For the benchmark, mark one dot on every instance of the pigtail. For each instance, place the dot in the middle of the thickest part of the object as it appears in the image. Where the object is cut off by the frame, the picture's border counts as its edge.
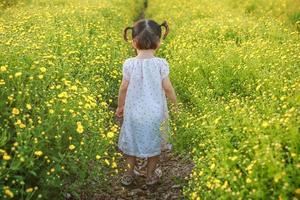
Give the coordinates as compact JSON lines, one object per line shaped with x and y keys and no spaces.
{"x":165,"y":24}
{"x":125,"y":33}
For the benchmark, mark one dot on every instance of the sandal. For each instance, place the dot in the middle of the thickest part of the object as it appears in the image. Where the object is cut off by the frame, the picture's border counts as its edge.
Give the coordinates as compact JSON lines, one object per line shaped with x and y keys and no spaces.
{"x":155,"y":178}
{"x":140,"y":170}
{"x":127,"y":179}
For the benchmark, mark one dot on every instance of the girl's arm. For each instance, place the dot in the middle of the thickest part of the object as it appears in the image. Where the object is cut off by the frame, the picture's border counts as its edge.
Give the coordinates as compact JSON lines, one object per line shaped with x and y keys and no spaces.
{"x":121,"y":98}
{"x":169,"y":90}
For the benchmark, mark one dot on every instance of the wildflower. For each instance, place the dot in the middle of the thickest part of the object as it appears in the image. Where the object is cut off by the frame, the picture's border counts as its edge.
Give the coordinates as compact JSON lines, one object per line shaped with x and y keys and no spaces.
{"x":6,"y":157}
{"x":104,"y":104}
{"x":38,"y":153}
{"x":28,"y":190}
{"x":114,"y":165}
{"x":79,"y":127}
{"x":98,"y":157}
{"x":63,"y":95}
{"x":194,"y":196}
{"x":74,"y":87}
{"x":8,"y":192}
{"x":110,"y":134}
{"x":22,"y":125}
{"x":15,"y":111}
{"x":43,"y":69}
{"x":18,"y":74}
{"x":28,"y":106}
{"x":3,"y":68}
{"x":71,"y":147}
{"x":265,"y":124}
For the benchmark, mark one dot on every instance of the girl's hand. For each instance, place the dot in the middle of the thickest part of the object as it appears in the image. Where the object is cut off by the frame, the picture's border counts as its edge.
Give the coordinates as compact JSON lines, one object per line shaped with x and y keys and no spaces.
{"x":120,"y":111}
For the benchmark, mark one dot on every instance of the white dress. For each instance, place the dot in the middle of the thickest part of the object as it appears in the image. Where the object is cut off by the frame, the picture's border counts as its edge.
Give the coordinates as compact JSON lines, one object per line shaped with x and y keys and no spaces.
{"x":144,"y":132}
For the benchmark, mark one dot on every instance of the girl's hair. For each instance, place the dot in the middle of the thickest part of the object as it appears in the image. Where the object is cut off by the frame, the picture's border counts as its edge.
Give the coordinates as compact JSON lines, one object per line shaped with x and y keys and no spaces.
{"x":146,"y":33}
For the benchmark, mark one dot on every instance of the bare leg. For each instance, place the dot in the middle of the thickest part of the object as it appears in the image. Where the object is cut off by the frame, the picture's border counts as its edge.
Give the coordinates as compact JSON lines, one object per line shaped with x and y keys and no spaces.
{"x":152,"y":162}
{"x":130,"y":163}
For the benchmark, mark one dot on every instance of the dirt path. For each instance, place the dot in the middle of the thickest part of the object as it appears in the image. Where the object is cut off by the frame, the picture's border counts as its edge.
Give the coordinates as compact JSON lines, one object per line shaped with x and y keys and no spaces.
{"x":176,"y":170}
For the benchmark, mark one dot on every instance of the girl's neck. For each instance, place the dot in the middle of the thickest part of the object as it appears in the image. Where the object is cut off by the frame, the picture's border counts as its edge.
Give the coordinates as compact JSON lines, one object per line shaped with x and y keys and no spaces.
{"x":148,"y":53}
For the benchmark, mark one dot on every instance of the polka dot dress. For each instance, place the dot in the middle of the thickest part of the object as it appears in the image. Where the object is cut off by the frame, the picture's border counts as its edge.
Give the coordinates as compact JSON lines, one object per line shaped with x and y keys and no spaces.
{"x":145,"y":125}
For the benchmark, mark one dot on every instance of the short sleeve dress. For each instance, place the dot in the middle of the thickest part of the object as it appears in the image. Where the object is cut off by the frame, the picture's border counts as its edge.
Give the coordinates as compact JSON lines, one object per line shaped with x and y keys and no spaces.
{"x":144,"y":132}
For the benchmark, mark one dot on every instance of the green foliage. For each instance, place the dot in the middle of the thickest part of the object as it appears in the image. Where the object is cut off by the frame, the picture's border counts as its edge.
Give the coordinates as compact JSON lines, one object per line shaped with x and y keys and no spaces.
{"x":237,"y":76}
{"x":60,"y":66}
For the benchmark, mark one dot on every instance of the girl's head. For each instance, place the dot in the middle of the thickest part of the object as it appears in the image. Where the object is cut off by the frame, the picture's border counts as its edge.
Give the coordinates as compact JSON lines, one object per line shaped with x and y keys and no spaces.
{"x":146,"y":33}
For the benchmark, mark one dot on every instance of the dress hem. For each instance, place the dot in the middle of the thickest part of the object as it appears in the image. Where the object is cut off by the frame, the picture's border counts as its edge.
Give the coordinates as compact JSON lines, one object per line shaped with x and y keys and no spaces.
{"x":140,"y":155}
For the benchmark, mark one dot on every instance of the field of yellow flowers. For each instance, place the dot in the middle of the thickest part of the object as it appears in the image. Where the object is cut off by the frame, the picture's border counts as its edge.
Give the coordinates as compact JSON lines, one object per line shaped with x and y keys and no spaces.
{"x":60,"y":68}
{"x":236,"y":67}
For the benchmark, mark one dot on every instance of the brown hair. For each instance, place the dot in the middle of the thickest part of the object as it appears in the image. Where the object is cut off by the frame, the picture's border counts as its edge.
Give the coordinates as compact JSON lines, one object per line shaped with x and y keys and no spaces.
{"x":146,"y":33}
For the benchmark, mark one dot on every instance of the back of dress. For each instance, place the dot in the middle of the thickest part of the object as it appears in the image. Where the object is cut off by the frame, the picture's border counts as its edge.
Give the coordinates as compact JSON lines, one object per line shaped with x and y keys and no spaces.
{"x":145,"y":107}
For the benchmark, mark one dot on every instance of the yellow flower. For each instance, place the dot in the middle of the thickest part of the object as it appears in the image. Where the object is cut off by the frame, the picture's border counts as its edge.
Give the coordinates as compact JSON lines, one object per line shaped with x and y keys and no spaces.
{"x":114,"y":165}
{"x":3,"y":68}
{"x":18,"y":74}
{"x":28,"y":106}
{"x":265,"y":124}
{"x":6,"y":157}
{"x":29,"y":190}
{"x":297,"y":191}
{"x":79,"y":127}
{"x":74,"y":87}
{"x":43,"y":69}
{"x":194,"y":196}
{"x":110,"y":134}
{"x":22,"y":125}
{"x":9,"y":193}
{"x":104,"y":104}
{"x":71,"y":147}
{"x":98,"y":157}
{"x":38,"y":153}
{"x":63,"y":95}
{"x":15,"y":111}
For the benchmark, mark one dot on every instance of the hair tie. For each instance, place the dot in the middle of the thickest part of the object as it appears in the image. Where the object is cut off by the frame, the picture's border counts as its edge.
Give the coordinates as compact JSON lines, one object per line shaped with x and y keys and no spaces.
{"x":165,"y":24}
{"x":125,"y":33}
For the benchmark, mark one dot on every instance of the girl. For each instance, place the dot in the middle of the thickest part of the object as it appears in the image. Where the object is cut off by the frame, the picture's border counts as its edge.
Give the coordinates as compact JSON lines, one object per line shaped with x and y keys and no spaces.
{"x":142,"y":100}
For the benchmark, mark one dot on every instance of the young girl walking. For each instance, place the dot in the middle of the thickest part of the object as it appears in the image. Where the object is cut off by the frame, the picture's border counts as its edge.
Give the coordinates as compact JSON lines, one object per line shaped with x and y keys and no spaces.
{"x":142,"y":101}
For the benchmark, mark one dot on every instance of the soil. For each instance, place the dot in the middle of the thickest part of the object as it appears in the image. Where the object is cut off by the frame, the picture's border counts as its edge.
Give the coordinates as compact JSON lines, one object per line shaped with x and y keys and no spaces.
{"x":175,"y":169}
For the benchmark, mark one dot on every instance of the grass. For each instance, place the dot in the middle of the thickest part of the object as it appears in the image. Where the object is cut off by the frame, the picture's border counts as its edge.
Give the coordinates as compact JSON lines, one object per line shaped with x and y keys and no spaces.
{"x":235,"y":67}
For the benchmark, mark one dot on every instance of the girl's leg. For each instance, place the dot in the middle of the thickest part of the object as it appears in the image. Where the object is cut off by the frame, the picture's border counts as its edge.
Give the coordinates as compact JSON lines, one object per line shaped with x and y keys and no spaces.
{"x":152,"y":162}
{"x":130,"y":163}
